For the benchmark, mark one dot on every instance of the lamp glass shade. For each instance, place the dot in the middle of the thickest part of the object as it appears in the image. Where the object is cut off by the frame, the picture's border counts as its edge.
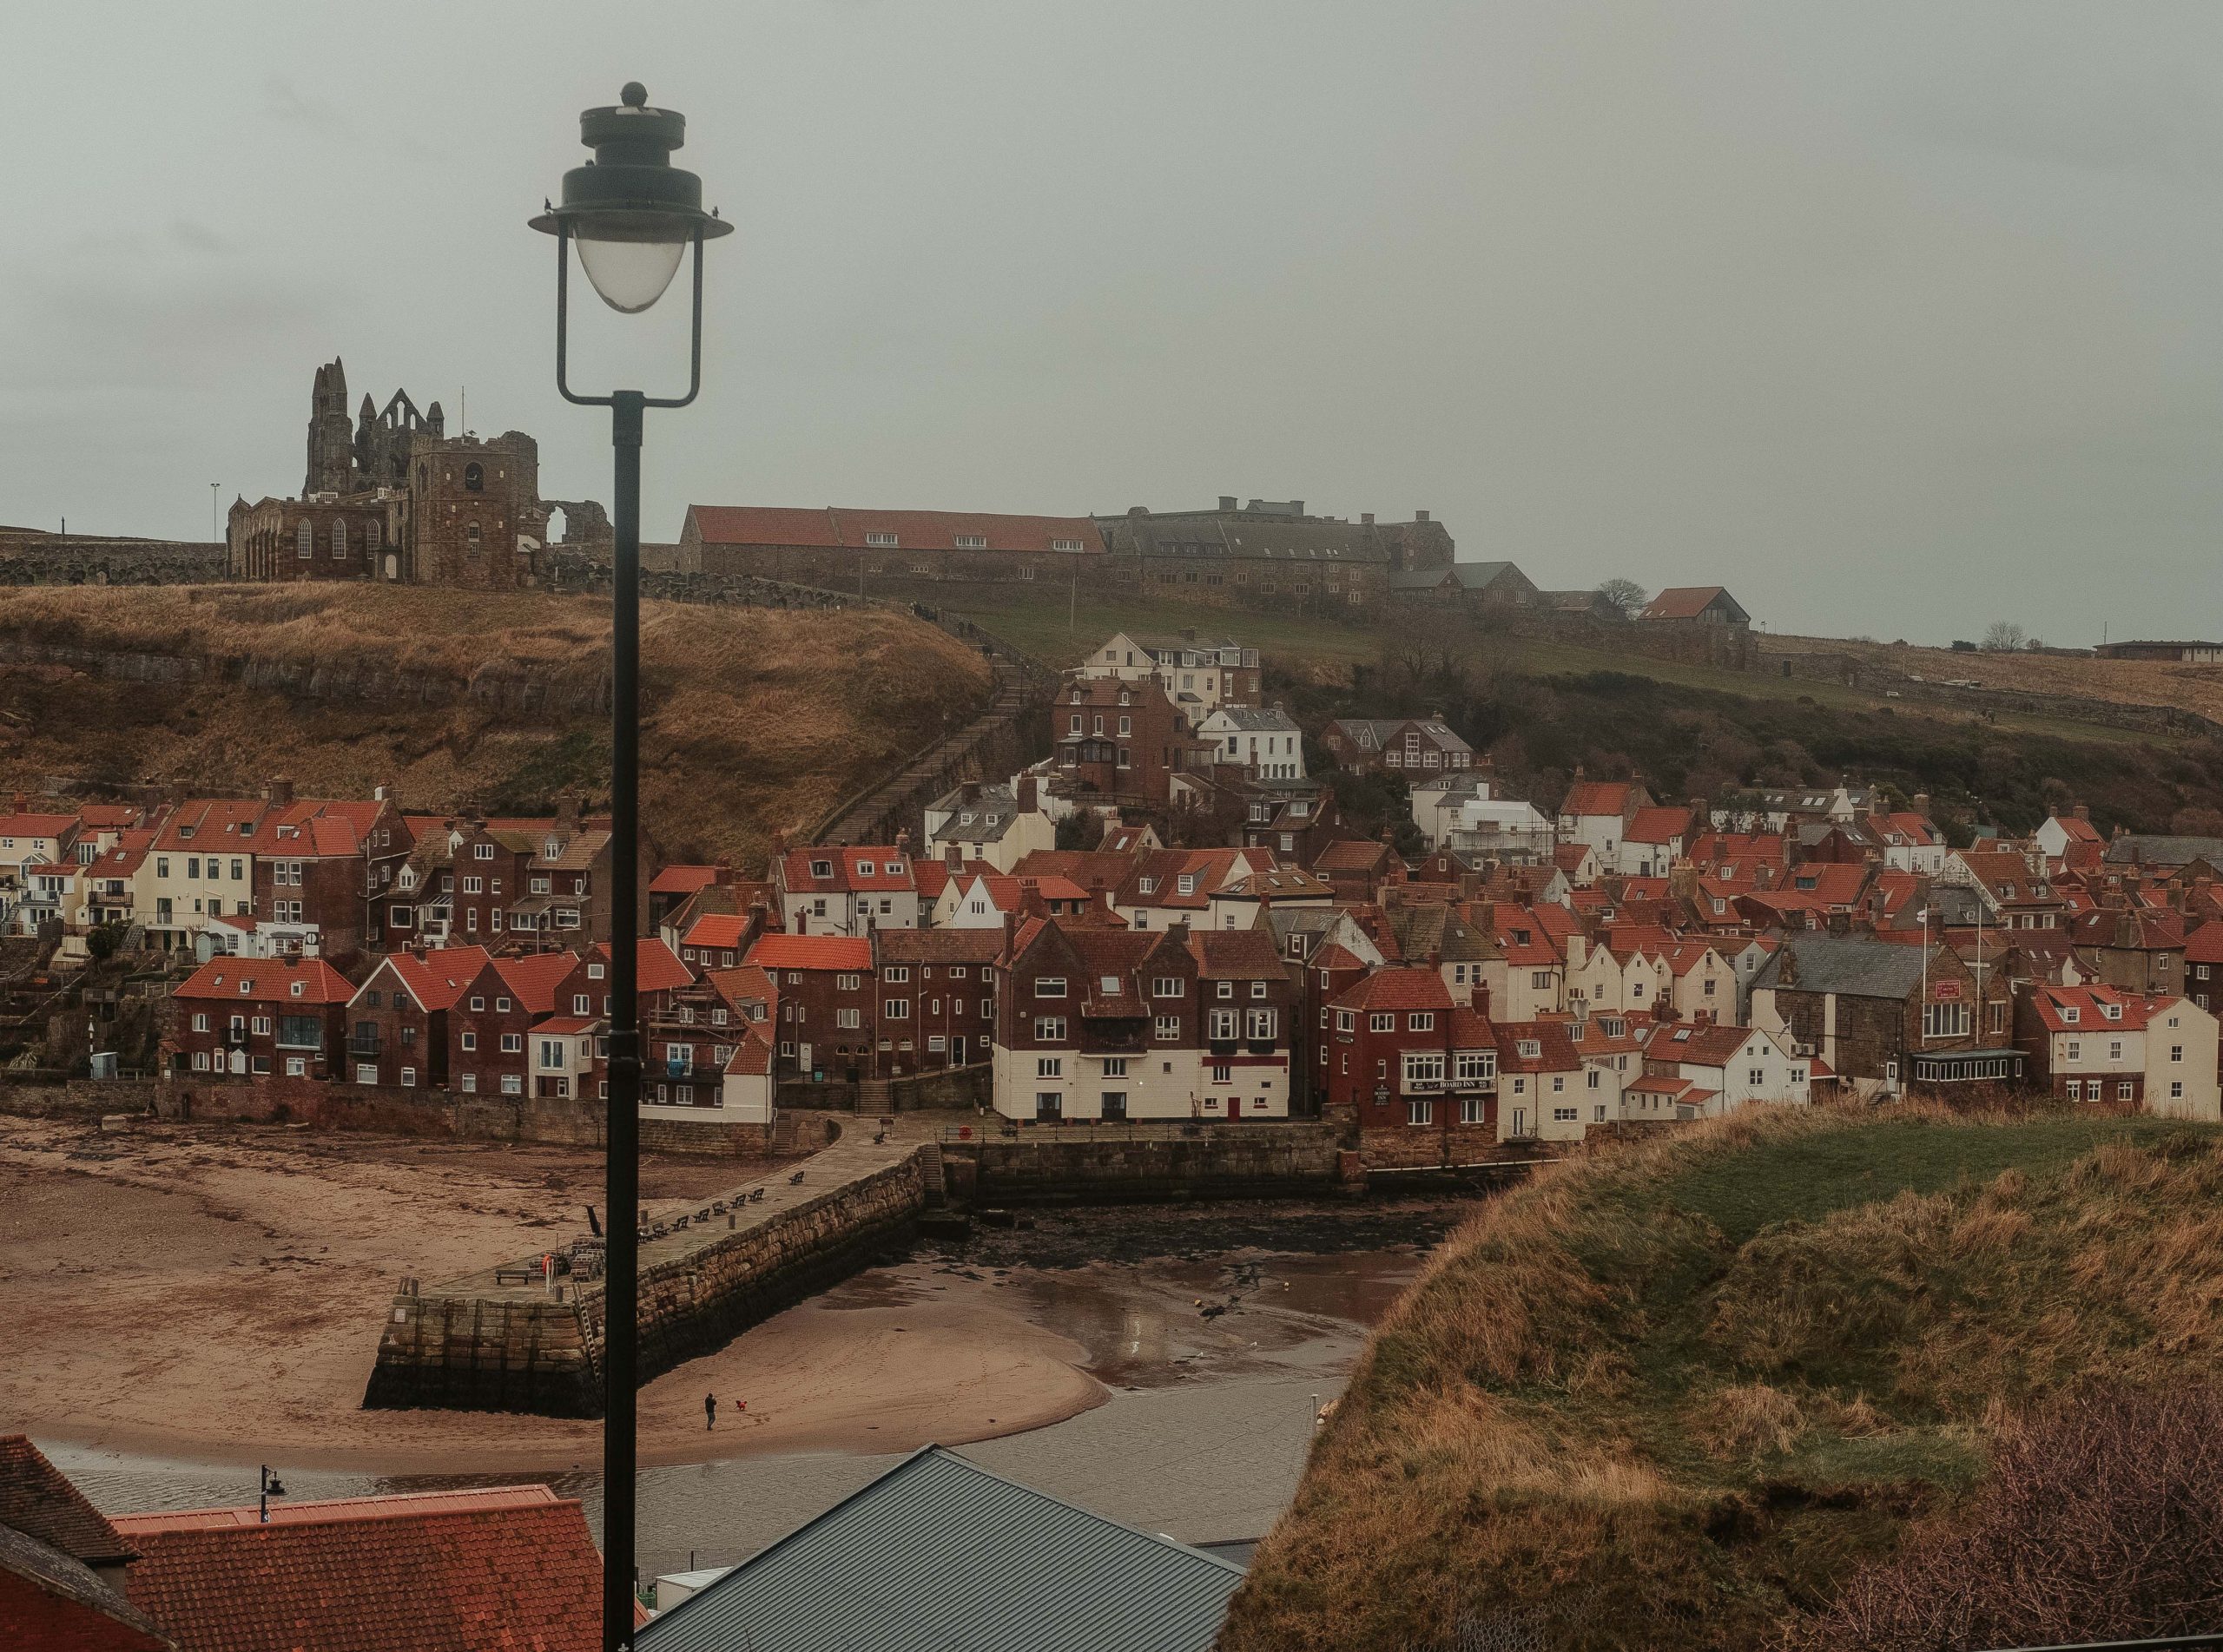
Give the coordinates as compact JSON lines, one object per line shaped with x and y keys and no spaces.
{"x":630,"y":268}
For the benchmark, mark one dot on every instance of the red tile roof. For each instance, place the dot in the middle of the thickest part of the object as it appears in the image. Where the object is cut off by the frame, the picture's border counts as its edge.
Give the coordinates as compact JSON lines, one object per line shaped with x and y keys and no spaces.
{"x":890,"y":869}
{"x":377,"y":1574}
{"x":2089,"y":1005}
{"x":1681,"y":602}
{"x":657,"y":967}
{"x":726,"y":929}
{"x":1659,"y":824}
{"x":682,"y":880}
{"x":811,"y":953}
{"x":273,"y":979}
{"x":1414,"y":988}
{"x":38,"y":1500}
{"x":1597,"y":798}
{"x":535,"y":977}
{"x":438,"y":979}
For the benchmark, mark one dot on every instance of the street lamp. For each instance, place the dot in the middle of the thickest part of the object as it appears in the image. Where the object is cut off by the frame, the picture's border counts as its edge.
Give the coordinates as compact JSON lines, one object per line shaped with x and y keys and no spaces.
{"x":633,"y":214}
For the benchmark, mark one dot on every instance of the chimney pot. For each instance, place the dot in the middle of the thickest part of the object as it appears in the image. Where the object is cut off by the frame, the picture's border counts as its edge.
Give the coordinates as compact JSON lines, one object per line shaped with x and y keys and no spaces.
{"x":1420,"y":516}
{"x":2083,"y":812}
{"x":1227,"y":502}
{"x":1366,"y":518}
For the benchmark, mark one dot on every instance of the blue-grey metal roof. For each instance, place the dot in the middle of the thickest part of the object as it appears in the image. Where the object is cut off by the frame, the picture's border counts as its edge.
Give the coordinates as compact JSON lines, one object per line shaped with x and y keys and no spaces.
{"x":937,"y":1552}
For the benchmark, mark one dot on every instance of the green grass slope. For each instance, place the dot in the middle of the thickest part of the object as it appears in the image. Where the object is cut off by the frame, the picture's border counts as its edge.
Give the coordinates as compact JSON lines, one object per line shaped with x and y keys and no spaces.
{"x":1674,"y":1395}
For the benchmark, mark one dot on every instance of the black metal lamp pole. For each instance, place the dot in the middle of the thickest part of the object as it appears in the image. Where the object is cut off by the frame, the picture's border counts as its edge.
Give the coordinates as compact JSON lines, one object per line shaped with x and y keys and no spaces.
{"x":633,"y":214}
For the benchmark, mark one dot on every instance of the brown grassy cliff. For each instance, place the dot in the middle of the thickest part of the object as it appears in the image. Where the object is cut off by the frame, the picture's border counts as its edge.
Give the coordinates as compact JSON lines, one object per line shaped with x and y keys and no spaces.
{"x":1678,"y":1396}
{"x":757,"y":721}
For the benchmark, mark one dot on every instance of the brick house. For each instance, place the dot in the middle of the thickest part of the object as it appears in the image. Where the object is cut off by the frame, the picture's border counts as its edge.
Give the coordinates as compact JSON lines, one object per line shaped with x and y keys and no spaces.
{"x":846,"y":890}
{"x":826,"y":1021}
{"x":1118,"y":739}
{"x":1099,"y":1023}
{"x":488,"y":1023}
{"x":1416,"y":1068}
{"x":1882,"y":1018}
{"x":1737,"y":1064}
{"x":1402,"y":745}
{"x":507,"y":884}
{"x":937,"y":1004}
{"x":397,"y":1020}
{"x":2100,"y":1043}
{"x":262,"y":1018}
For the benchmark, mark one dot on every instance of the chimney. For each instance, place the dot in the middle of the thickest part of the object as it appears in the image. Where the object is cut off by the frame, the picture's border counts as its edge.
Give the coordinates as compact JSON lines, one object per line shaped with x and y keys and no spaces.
{"x":1011,"y":933}
{"x":902,"y":840}
{"x":1922,"y":803}
{"x":1840,"y":922}
{"x":567,"y":810}
{"x":1366,"y":518}
{"x":1420,"y":516}
{"x":2084,"y":812}
{"x":969,"y":793}
{"x":280,"y":789}
{"x":1227,"y":502}
{"x":1701,"y":816}
{"x":1481,"y":1000}
{"x":1701,"y":1017}
{"x":1578,"y":771}
{"x":1027,"y":794}
{"x":1296,"y":507}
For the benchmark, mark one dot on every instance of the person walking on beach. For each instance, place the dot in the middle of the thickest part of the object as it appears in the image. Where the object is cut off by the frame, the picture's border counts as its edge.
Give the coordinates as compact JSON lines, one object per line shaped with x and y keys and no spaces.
{"x":709,"y":1411}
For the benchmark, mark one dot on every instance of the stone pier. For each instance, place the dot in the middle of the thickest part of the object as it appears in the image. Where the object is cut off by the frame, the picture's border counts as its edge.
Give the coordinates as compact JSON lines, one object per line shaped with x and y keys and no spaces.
{"x":478,"y":1343}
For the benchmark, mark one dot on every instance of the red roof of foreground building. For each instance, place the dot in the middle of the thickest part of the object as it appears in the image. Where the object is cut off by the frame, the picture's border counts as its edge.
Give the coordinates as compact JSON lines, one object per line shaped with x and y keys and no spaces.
{"x":38,"y":1500}
{"x":511,"y":1570}
{"x":727,"y":929}
{"x":1595,"y":798}
{"x":811,"y":953}
{"x":682,"y":880}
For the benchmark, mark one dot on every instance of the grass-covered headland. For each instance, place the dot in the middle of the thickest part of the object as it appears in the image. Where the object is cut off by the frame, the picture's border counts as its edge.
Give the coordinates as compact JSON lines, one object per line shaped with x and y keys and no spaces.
{"x":1684,"y":1394}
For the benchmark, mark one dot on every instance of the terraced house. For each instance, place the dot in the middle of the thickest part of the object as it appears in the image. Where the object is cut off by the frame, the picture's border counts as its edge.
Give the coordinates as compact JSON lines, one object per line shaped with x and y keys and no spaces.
{"x":1110,"y":1023}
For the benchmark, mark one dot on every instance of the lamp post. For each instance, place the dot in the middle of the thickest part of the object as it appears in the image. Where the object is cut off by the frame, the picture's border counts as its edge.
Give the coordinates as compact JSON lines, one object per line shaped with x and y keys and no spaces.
{"x":633,"y":215}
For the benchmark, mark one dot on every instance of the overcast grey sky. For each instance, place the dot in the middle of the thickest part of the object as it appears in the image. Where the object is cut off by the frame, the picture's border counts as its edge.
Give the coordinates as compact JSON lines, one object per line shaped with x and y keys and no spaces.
{"x":1894,"y":319}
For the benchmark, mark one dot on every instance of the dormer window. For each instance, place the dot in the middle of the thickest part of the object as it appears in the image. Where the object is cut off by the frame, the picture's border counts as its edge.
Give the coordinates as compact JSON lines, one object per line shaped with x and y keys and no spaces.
{"x":1187,"y":884}
{"x":821,"y":869}
{"x":550,"y":850}
{"x":297,"y":988}
{"x":881,"y":541}
{"x":1530,"y":1049}
{"x":2070,"y":1014}
{"x":864,"y":869}
{"x":2112,"y":1011}
{"x":971,"y":541}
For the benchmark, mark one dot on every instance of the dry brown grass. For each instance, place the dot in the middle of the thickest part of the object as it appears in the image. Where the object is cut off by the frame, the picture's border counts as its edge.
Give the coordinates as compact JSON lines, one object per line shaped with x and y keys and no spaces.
{"x":1623,"y":1406}
{"x":757,"y":721}
{"x":2136,"y":683}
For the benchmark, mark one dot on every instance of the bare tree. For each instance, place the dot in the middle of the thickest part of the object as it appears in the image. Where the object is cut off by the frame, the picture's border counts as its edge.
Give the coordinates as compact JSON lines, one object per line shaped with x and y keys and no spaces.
{"x":1624,"y":594}
{"x":2005,"y":633}
{"x":2101,"y":1520}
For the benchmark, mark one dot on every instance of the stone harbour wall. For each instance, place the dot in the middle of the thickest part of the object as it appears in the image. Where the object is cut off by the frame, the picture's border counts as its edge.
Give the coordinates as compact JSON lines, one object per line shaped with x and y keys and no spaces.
{"x":1108,"y":1165}
{"x":522,"y":1350}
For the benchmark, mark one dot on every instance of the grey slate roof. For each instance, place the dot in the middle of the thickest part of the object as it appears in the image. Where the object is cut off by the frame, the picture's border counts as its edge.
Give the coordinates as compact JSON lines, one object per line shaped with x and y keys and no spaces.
{"x":1257,"y":718}
{"x":1848,"y":965}
{"x":2148,"y":850}
{"x":937,"y":1552}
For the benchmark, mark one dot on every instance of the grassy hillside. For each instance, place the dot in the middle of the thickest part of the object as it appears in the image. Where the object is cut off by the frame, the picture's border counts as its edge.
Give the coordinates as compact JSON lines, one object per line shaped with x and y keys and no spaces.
{"x":755,"y":720}
{"x":1675,"y":1396}
{"x":1540,"y":708}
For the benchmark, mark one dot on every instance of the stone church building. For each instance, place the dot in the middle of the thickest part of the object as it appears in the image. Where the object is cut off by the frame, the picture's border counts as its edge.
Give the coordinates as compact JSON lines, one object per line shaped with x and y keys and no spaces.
{"x":389,"y":496}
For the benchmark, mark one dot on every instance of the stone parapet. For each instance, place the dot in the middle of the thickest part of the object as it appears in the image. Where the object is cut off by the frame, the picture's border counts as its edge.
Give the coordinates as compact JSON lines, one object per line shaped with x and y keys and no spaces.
{"x":475,"y":1344}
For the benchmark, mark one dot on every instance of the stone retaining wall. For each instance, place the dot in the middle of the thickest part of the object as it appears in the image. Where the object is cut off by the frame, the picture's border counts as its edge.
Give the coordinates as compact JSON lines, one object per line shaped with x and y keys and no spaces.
{"x":524,"y":1352}
{"x":543,"y":1120}
{"x":1046,"y":1165}
{"x":80,"y":1098}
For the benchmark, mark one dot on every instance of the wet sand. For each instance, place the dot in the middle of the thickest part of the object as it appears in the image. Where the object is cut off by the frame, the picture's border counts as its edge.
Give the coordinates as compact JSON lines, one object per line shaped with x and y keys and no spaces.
{"x":216,"y":1296}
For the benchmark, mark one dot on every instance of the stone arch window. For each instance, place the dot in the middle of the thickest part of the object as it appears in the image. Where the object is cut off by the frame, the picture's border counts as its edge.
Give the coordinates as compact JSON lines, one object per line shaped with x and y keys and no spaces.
{"x":474,"y":478}
{"x":420,"y":476}
{"x":305,"y":540}
{"x":339,"y":537}
{"x":372,"y":538}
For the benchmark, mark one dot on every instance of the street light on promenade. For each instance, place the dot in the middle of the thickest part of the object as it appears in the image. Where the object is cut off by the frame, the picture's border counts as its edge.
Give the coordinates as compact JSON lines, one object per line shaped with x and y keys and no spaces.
{"x":633,"y":215}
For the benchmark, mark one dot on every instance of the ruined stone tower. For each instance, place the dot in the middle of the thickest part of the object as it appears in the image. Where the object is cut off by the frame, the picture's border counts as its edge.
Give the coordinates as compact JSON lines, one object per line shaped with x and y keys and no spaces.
{"x":331,"y":438}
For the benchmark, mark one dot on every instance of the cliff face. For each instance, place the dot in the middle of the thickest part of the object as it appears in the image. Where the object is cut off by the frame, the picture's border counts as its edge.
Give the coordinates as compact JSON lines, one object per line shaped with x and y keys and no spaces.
{"x":754,"y":721}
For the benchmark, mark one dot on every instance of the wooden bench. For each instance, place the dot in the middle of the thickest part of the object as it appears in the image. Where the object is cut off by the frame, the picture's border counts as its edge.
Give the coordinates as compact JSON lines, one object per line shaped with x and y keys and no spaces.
{"x":518,"y":1273}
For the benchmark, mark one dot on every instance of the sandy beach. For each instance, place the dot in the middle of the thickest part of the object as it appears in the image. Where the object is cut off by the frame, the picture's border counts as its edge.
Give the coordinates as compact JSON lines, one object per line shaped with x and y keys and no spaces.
{"x":215,"y":1295}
